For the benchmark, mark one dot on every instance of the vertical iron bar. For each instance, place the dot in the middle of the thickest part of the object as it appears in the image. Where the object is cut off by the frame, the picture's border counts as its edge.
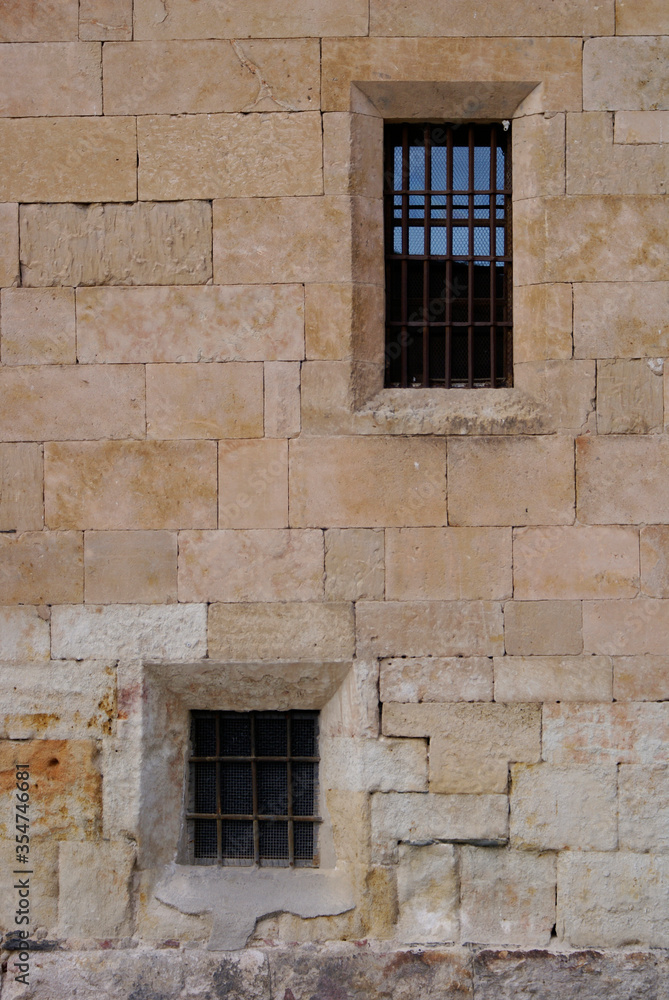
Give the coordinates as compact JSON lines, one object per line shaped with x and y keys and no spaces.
{"x":427,"y":209}
{"x":254,"y":782}
{"x":508,"y":266}
{"x":470,"y":266}
{"x":449,"y":255}
{"x":493,"y":253}
{"x":289,"y":793}
{"x":405,"y":251}
{"x":219,"y":810}
{"x":389,"y":221}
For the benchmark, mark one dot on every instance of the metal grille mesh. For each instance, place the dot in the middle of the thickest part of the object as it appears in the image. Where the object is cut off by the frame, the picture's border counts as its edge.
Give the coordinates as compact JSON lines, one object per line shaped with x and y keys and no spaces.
{"x":251,"y":775}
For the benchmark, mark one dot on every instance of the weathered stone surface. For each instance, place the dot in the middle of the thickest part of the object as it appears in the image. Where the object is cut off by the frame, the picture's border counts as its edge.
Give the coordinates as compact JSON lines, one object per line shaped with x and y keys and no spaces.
{"x":539,"y":156}
{"x":606,"y":734}
{"x":629,"y":397}
{"x":107,"y":20}
{"x":453,"y":678}
{"x":507,"y":897}
{"x":24,"y":634}
{"x":254,"y":20}
{"x":50,"y":78}
{"x":172,"y":631}
{"x":563,"y":808}
{"x":640,"y":127}
{"x":71,"y":402}
{"x":427,"y":893}
{"x":43,"y":891}
{"x":39,"y":21}
{"x":86,"y":159}
{"x":282,"y":239}
{"x":625,"y":74}
{"x":533,"y":477}
{"x":380,"y":765}
{"x":21,"y":507}
{"x":430,"y":17}
{"x":234,"y":323}
{"x":243,"y":566}
{"x":351,"y":161}
{"x":643,"y":811}
{"x":430,"y":628}
{"x":9,"y":244}
{"x":157,"y":923}
{"x":342,"y":322}
{"x":354,"y":564}
{"x":553,"y":678}
{"x":209,"y":76}
{"x":655,"y":560}
{"x":448,"y":564}
{"x":88,"y":873}
{"x":621,"y":319}
{"x":575,"y":562}
{"x":367,"y":482}
{"x":253,"y":484}
{"x":137,"y":244}
{"x":282,"y":399}
{"x":204,"y":401}
{"x":595,"y":165}
{"x":641,"y":678}
{"x":62,"y":700}
{"x":229,"y":156}
{"x":626,"y":628}
{"x":542,"y":322}
{"x":565,"y":390}
{"x":41,"y":567}
{"x":65,"y":792}
{"x":612,"y":900}
{"x":543,"y":628}
{"x":128,"y":567}
{"x":37,"y":326}
{"x":648,"y":18}
{"x":416,"y":818}
{"x":131,"y":484}
{"x":622,"y":480}
{"x":281,"y":631}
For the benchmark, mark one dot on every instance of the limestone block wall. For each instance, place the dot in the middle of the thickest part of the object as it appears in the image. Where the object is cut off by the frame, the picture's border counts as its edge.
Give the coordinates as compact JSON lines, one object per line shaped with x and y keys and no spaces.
{"x":208,"y":499}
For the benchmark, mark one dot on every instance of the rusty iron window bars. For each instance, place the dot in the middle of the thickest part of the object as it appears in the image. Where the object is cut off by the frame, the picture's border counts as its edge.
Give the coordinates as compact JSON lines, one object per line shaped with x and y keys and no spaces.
{"x":253,"y":789}
{"x":447,"y":212}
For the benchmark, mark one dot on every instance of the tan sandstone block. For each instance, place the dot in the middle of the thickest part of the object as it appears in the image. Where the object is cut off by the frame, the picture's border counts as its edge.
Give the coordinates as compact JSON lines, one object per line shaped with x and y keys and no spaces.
{"x":507,"y":897}
{"x":453,"y":678}
{"x":566,"y":391}
{"x":552,"y":678}
{"x":428,"y":893}
{"x":130,"y":567}
{"x":622,"y":480}
{"x":655,"y":560}
{"x":229,"y":156}
{"x":246,"y":566}
{"x":641,"y":678}
{"x":563,"y":808}
{"x":137,"y":244}
{"x":621,"y":319}
{"x":210,"y":76}
{"x":354,"y":564}
{"x":131,"y":484}
{"x":647,"y":18}
{"x":352,"y":162}
{"x":232,"y":323}
{"x":107,"y":20}
{"x":448,"y":564}
{"x":595,"y":165}
{"x":9,"y":244}
{"x":430,"y":628}
{"x":282,"y":399}
{"x":282,"y":240}
{"x":42,"y":567}
{"x":173,"y":632}
{"x":281,"y":631}
{"x":43,"y":890}
{"x":542,"y":323}
{"x":432,"y":17}
{"x":24,"y":634}
{"x":71,"y":402}
{"x":641,"y":127}
{"x":39,"y":21}
{"x":21,"y":501}
{"x":576,"y":563}
{"x":543,"y":628}
{"x":341,"y":321}
{"x":87,"y":874}
{"x":68,"y":159}
{"x":626,"y":628}
{"x":621,"y":733}
{"x":255,"y":19}
{"x":50,"y":78}
{"x":629,"y":397}
{"x":625,"y":74}
{"x":367,"y":482}
{"x":37,"y":326}
{"x":539,"y":156}
{"x":643,"y":811}
{"x":204,"y":400}
{"x":533,"y":481}
{"x":253,"y":484}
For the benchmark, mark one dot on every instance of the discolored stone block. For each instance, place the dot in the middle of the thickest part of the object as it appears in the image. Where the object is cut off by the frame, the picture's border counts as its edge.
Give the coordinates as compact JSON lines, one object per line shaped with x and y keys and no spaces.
{"x":21,"y":504}
{"x":640,"y":678}
{"x":624,"y":733}
{"x":542,"y":628}
{"x":441,"y":679}
{"x":552,"y":678}
{"x":130,"y":631}
{"x":63,"y":700}
{"x":629,"y":397}
{"x":43,"y":885}
{"x":256,"y":19}
{"x":354,"y":564}
{"x":622,"y":480}
{"x":372,"y":765}
{"x":87,"y":873}
{"x":24,"y":634}
{"x":127,"y":567}
{"x":253,"y":484}
{"x":39,"y":21}
{"x":430,"y":628}
{"x":427,"y":893}
{"x":9,"y":244}
{"x":107,"y":20}
{"x":281,"y":631}
{"x":655,"y":560}
{"x":643,"y":812}
{"x":282,"y":399}
{"x":41,"y":567}
{"x":542,"y":322}
{"x":623,"y":319}
{"x":625,"y":74}
{"x":204,"y":401}
{"x":37,"y":326}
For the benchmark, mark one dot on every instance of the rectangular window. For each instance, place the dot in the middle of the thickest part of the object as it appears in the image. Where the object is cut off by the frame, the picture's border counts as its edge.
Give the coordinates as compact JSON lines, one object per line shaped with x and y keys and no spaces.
{"x":447,"y":205}
{"x":253,"y":787}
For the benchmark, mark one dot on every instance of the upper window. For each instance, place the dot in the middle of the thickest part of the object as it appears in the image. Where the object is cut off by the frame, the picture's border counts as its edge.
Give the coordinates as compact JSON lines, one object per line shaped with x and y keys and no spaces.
{"x":253,"y":788}
{"x":448,"y":255}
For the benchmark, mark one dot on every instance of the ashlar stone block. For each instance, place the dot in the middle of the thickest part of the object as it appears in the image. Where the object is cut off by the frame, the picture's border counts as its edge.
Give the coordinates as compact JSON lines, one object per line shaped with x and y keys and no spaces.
{"x":629,"y":397}
{"x":50,"y":78}
{"x":190,"y":401}
{"x":129,"y":631}
{"x":552,"y":678}
{"x":625,"y":319}
{"x":37,"y":326}
{"x":87,"y":874}
{"x":538,"y":156}
{"x":428,"y":894}
{"x":39,"y":21}
{"x":373,"y":765}
{"x":9,"y":244}
{"x":623,"y":479}
{"x":24,"y":634}
{"x":542,"y":326}
{"x":354,"y":564}
{"x":597,"y":165}
{"x":641,"y":678}
{"x":626,"y":628}
{"x":563,"y":808}
{"x":341,"y":321}
{"x":543,"y":628}
{"x":281,"y":631}
{"x":256,"y":19}
{"x":429,"y":17}
{"x":282,"y":399}
{"x":41,"y":567}
{"x":253,"y":484}
{"x":643,"y":810}
{"x":106,"y":20}
{"x":438,"y":678}
{"x":43,"y":891}
{"x":21,"y":504}
{"x":624,"y":732}
{"x":565,"y":390}
{"x":128,"y":567}
{"x":430,"y":628}
{"x":655,"y":560}
{"x":641,"y":127}
{"x":625,"y":74}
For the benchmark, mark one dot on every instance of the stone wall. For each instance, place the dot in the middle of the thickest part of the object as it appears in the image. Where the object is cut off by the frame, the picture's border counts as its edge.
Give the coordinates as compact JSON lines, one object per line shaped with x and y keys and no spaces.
{"x":207,"y":499}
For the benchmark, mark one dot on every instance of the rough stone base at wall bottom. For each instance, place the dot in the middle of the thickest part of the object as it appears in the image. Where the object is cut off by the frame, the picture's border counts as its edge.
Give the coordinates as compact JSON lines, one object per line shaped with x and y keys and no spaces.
{"x":357,"y":971}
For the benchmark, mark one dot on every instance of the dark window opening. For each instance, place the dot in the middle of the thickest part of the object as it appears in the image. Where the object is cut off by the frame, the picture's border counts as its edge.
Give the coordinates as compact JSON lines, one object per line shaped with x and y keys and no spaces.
{"x":253,"y":787}
{"x":447,"y":208}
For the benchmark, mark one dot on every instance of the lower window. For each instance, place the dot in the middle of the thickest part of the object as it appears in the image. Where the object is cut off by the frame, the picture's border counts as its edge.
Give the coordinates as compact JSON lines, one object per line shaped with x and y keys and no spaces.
{"x":253,"y":788}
